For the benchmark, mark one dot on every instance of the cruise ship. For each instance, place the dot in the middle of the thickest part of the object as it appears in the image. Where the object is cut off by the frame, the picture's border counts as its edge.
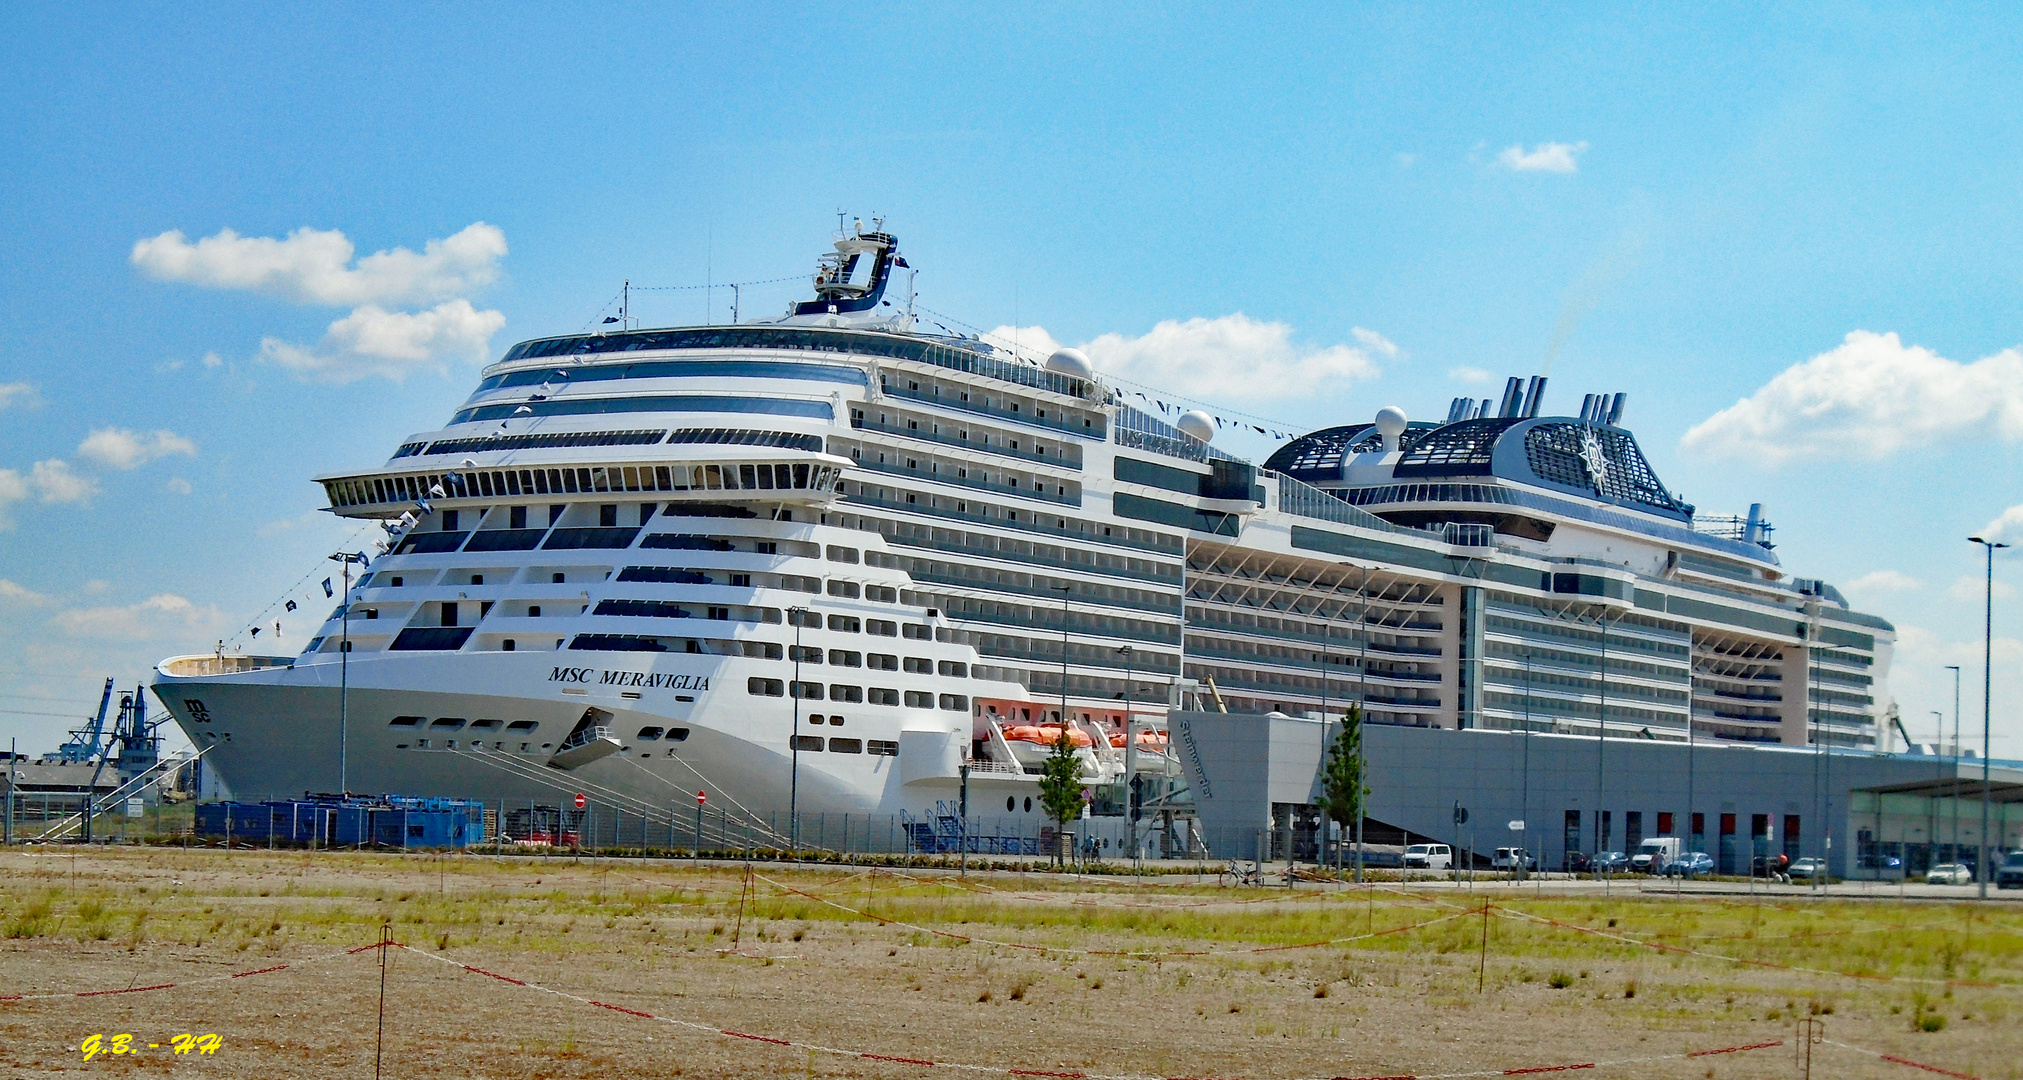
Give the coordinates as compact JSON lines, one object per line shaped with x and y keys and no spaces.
{"x":834,"y":563}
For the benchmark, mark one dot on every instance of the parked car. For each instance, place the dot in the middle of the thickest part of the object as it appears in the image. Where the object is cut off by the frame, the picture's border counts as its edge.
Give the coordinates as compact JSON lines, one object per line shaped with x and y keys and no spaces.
{"x":2009,"y":875}
{"x":1951,"y":873}
{"x":1611,"y":862}
{"x":1888,"y":864}
{"x":1653,"y":854}
{"x":1579,"y":862}
{"x":1429,"y":857}
{"x":1508,"y":858}
{"x":1774,"y":867}
{"x":1809,"y":868}
{"x":1691,"y":864}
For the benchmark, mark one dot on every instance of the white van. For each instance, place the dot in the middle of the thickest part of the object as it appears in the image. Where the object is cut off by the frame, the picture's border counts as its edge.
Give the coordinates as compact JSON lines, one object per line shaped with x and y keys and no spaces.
{"x":1429,"y":857}
{"x":1654,"y":854}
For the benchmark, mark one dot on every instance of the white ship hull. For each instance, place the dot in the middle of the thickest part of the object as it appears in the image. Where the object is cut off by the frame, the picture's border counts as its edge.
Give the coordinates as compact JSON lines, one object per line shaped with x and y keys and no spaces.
{"x":274,"y":733}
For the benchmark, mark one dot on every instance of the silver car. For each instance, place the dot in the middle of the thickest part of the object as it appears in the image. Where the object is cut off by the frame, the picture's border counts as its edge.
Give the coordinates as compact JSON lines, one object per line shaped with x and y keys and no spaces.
{"x":1951,"y":873}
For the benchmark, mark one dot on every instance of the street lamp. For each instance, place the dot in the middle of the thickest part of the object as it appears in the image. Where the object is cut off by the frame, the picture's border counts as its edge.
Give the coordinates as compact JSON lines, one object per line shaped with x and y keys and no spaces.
{"x":1987,"y":712}
{"x":344,"y":673}
{"x":1954,"y":783}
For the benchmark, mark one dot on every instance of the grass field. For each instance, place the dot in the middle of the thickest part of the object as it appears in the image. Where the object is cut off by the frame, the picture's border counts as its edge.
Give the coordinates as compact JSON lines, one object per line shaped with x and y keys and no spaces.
{"x":1004,"y":971}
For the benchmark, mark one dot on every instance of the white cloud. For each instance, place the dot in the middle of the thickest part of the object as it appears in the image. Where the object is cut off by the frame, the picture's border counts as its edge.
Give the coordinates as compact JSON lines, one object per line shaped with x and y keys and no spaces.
{"x":10,"y":593}
{"x":13,"y":489}
{"x":1868,"y":398}
{"x":1884,"y":581}
{"x":394,"y":344}
{"x":1405,"y":161}
{"x":54,"y":481}
{"x":314,"y":266}
{"x":1555,"y":157}
{"x":159,"y":616}
{"x":2006,"y":528}
{"x":212,"y":360}
{"x":1470,"y":375}
{"x":1973,"y":589}
{"x":118,"y":448}
{"x":18,"y":393}
{"x":178,"y":486}
{"x":1375,"y":342}
{"x":97,"y":585}
{"x":1230,"y":358}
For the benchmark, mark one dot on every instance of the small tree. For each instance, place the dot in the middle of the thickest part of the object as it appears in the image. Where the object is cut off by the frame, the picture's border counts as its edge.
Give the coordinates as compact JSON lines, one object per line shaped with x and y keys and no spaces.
{"x":1344,"y":794}
{"x":1061,"y":787}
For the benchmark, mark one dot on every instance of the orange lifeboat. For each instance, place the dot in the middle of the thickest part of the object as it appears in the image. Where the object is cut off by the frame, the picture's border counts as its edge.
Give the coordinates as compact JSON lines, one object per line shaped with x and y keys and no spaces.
{"x":1047,"y":735}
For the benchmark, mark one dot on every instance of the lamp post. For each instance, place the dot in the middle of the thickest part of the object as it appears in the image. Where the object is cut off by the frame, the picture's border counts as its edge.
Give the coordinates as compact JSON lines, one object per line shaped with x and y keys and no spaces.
{"x":344,"y":674}
{"x":1987,"y":710}
{"x":1132,"y":796}
{"x":799,"y":615}
{"x":1064,"y":590}
{"x":1954,"y":784}
{"x":1938,"y":758}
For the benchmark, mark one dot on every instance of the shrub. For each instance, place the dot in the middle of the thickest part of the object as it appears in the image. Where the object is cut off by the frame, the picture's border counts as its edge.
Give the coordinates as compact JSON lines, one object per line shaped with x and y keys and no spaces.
{"x":1560,"y":980}
{"x":1932,"y":1022}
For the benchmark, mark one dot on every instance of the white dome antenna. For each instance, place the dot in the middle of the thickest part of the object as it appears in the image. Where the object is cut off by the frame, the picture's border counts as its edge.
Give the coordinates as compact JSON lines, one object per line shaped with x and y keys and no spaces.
{"x":1390,"y":424}
{"x":1071,"y":362}
{"x":1196,"y":425}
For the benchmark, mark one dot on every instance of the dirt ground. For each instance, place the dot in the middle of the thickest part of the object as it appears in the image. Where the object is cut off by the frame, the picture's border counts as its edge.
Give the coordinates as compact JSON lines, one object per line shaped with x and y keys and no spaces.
{"x":1003,"y":972}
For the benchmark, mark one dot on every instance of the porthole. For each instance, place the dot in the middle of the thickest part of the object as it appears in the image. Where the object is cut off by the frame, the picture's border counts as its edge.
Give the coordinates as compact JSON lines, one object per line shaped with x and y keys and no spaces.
{"x":1029,"y":804}
{"x":1011,"y":803}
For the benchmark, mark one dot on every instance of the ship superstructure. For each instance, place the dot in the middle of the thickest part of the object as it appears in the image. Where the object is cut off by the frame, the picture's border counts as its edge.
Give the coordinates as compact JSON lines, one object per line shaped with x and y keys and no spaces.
{"x":835,"y":562}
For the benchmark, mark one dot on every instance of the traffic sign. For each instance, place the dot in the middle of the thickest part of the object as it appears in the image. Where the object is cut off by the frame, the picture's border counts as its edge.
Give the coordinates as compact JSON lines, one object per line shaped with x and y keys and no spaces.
{"x":700,"y":797}
{"x":581,"y":802}
{"x":1517,"y":826}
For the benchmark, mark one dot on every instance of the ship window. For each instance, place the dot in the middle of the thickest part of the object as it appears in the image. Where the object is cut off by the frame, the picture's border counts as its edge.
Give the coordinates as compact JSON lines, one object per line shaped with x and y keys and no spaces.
{"x":534,"y":611}
{"x":882,"y":593}
{"x":1011,"y":803}
{"x":507,"y":645}
{"x":677,"y":734}
{"x":764,"y":687}
{"x":483,"y":725}
{"x":881,"y":627}
{"x":835,"y":721}
{"x":845,"y":589}
{"x":516,"y":517}
{"x":522,"y":725}
{"x":806,"y":654}
{"x":815,"y":718}
{"x":846,"y":658}
{"x":395,"y":581}
{"x":919,"y":699}
{"x":882,"y":748}
{"x":649,"y":733}
{"x":954,"y":669}
{"x":882,"y":696}
{"x":808,"y":691}
{"x":917,"y":631}
{"x":1029,"y":804}
{"x":808,"y":743}
{"x":607,"y":515}
{"x":804,"y":617}
{"x":955,"y":702}
{"x":842,"y":554}
{"x":846,"y":746}
{"x":845,"y":623}
{"x":449,"y":521}
{"x":842,"y":692}
{"x":762,"y":650}
{"x":404,"y":721}
{"x":451,"y":723}
{"x":477,"y":579}
{"x":920,"y":665}
{"x":882,"y":662}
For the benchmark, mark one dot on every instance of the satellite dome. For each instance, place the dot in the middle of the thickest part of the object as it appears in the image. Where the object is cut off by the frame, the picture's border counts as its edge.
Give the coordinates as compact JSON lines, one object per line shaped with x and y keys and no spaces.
{"x":1196,"y":425}
{"x":1390,"y":424}
{"x":1072,"y":363}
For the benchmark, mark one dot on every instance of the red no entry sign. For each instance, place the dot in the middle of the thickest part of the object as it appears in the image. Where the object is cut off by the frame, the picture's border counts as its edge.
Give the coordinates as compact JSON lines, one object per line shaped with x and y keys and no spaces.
{"x":701,"y":797}
{"x":581,"y":802}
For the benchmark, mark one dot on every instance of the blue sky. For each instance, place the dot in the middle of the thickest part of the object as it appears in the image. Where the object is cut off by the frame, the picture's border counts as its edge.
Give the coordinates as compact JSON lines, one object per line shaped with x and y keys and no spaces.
{"x":1300,"y":214}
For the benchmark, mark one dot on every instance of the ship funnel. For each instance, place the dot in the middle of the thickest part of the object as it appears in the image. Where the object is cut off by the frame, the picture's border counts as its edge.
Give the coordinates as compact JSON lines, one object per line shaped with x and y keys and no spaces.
{"x":1483,"y":413}
{"x":1616,"y":408}
{"x":1532,"y":394}
{"x":1513,"y":397}
{"x":1459,"y":408}
{"x":1587,"y":408}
